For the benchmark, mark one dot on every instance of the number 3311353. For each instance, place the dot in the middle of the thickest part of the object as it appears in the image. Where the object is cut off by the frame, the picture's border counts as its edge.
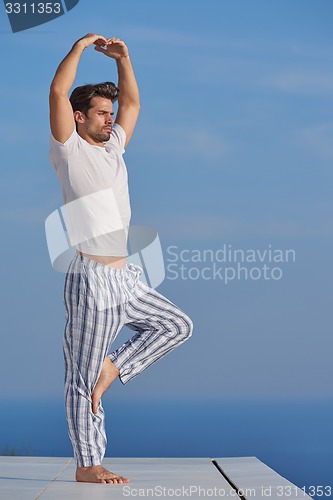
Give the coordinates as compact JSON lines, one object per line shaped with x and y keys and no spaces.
{"x":33,"y":8}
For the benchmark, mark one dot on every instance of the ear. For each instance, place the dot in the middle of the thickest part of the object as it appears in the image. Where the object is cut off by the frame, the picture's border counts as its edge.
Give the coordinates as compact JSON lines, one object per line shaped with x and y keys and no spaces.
{"x":78,"y":116}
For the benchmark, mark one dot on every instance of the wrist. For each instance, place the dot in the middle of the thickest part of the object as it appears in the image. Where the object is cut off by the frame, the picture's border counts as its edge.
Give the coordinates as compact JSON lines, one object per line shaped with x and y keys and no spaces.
{"x":79,"y":46}
{"x":123,"y":59}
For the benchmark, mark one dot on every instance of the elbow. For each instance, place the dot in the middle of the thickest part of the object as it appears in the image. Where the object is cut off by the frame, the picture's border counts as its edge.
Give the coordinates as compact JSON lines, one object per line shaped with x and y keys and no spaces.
{"x":129,"y":109}
{"x":57,"y":91}
{"x":136,"y":107}
{"x":132,"y":104}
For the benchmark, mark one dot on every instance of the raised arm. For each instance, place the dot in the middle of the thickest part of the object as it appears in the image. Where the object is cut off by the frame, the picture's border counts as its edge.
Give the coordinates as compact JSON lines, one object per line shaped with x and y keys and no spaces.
{"x":129,"y":98}
{"x":61,"y":114}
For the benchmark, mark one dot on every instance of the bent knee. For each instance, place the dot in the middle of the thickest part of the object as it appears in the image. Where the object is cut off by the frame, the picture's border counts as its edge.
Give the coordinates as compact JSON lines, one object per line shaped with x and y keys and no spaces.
{"x":185,"y":327}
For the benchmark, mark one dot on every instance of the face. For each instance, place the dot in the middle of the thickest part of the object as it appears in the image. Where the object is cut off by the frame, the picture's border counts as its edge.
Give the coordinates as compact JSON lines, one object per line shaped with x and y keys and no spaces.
{"x":96,"y":126}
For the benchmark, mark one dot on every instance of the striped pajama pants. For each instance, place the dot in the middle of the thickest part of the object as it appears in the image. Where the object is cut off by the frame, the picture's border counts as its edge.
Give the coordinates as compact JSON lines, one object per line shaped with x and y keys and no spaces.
{"x":99,"y":300}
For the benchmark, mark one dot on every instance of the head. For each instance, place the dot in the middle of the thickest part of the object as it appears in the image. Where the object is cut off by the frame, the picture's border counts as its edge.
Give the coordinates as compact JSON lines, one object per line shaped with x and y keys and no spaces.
{"x":93,"y":110}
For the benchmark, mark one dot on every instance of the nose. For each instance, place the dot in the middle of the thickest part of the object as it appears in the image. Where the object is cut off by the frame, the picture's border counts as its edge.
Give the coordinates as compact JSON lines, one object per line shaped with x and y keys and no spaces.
{"x":110,"y":120}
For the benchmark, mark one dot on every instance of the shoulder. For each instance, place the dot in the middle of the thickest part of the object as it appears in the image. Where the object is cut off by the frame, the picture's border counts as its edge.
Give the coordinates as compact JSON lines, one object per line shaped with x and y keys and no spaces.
{"x":68,"y":147}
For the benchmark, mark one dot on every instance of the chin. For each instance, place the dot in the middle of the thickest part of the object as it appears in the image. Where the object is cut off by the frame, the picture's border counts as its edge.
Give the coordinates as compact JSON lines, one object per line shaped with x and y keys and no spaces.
{"x":106,"y":137}
{"x":102,"y":137}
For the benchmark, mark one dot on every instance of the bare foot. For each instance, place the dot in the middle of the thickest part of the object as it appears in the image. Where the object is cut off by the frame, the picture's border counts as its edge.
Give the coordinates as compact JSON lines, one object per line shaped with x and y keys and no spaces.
{"x":108,"y":374}
{"x":98,"y":474}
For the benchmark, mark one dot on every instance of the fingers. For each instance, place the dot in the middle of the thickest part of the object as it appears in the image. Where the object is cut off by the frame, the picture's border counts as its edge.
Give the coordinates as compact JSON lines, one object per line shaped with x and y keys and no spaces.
{"x":100,"y":48}
{"x":111,"y":47}
{"x":95,"y":37}
{"x":115,"y":40}
{"x":91,"y":38}
{"x":101,"y":41}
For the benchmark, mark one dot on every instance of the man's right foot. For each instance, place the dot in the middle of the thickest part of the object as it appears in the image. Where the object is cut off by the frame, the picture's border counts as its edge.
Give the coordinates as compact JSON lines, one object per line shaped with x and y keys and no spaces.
{"x":108,"y":374}
{"x":98,"y":474}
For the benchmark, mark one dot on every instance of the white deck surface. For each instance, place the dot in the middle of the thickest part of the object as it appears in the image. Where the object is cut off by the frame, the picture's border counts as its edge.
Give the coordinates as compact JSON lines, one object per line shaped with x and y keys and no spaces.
{"x":46,"y":478}
{"x":254,"y":479}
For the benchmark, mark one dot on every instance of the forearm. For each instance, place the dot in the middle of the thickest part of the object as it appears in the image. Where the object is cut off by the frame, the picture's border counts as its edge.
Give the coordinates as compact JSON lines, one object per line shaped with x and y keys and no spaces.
{"x":66,"y":72}
{"x":128,"y":88}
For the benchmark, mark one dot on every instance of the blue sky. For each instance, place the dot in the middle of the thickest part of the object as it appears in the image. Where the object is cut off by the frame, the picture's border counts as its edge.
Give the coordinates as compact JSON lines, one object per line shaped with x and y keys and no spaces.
{"x":233,"y":147}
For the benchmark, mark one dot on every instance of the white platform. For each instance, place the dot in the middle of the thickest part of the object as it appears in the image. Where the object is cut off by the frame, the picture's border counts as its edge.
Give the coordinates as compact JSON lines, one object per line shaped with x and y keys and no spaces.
{"x":46,"y":478}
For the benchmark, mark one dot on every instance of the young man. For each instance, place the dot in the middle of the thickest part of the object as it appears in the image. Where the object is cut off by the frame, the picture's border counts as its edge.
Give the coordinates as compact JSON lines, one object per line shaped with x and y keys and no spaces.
{"x":102,"y":292}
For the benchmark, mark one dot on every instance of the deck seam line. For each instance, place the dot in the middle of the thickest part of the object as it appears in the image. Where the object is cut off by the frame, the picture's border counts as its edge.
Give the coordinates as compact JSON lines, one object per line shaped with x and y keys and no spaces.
{"x":221,"y":471}
{"x":54,"y":479}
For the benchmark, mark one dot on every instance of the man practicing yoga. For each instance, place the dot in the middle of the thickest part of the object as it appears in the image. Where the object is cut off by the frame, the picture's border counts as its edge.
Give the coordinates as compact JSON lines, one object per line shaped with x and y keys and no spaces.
{"x":102,"y":291}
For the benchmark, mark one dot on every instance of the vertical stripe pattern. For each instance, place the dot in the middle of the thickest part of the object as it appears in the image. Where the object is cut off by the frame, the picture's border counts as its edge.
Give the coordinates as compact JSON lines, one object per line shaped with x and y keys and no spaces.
{"x":99,"y":300}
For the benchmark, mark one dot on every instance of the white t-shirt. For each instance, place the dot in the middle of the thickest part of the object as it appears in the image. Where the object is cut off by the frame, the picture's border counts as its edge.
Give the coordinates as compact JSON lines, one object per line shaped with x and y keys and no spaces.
{"x":95,"y":190}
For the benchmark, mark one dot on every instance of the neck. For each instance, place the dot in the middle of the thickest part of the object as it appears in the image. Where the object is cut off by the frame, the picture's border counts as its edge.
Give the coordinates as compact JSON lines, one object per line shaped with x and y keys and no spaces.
{"x":91,"y":140}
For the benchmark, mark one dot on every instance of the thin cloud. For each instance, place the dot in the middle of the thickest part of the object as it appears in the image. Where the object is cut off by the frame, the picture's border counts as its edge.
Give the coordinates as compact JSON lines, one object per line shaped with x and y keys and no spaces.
{"x":306,"y":82}
{"x":317,"y":138}
{"x":256,"y":46}
{"x":183,"y":141}
{"x":214,"y":228}
{"x":30,"y":216}
{"x":259,"y":73}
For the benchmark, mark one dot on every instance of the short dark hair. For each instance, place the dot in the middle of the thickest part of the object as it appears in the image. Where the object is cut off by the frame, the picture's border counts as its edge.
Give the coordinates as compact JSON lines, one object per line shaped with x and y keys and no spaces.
{"x":81,"y":97}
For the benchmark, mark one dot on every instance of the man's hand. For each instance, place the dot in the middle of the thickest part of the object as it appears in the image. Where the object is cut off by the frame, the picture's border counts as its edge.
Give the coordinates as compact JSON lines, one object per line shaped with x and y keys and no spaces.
{"x":114,"y":48}
{"x":91,"y":39}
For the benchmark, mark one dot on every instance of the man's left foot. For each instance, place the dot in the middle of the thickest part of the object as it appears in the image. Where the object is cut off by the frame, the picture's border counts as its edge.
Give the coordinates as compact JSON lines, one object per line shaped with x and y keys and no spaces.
{"x":98,"y":474}
{"x":108,"y":374}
